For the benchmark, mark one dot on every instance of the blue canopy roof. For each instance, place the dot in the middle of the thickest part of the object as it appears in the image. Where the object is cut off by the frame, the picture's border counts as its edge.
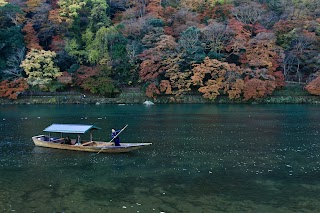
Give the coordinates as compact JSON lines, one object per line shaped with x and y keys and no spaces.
{"x":70,"y":128}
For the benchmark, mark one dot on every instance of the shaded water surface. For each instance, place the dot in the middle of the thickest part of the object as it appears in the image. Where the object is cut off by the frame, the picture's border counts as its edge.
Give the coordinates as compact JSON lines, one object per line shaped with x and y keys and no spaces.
{"x":204,"y":158}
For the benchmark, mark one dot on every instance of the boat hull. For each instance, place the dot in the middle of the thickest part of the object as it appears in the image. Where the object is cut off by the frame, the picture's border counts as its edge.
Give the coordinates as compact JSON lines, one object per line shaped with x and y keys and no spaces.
{"x":92,"y":146}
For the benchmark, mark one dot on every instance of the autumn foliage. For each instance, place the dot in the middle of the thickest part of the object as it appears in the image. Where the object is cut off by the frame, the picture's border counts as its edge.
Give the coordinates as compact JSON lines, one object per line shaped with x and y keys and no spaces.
{"x":237,"y":49}
{"x":32,"y":41}
{"x":255,"y":88}
{"x":314,"y":86}
{"x":11,"y":89}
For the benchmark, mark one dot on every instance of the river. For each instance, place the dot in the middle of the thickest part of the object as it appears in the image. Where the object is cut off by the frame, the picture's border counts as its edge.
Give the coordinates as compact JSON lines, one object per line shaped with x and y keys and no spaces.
{"x":204,"y":158}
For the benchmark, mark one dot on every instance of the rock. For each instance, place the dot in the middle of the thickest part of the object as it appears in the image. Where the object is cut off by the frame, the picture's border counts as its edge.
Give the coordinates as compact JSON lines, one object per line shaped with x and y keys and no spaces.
{"x":148,"y":103}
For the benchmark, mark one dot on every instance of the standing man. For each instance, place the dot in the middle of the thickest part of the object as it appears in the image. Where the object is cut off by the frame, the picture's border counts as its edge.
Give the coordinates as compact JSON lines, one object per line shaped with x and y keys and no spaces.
{"x":113,"y":135}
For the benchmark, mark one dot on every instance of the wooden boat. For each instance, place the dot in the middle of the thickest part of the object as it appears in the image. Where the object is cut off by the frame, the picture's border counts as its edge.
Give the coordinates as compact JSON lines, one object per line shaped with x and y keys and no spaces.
{"x":87,"y":146}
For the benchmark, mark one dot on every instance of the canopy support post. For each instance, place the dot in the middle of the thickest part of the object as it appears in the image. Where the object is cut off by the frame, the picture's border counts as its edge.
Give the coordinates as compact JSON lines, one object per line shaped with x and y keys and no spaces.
{"x":90,"y":135}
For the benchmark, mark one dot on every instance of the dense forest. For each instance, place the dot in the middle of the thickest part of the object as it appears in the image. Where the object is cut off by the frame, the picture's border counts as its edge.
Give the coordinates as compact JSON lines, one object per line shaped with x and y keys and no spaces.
{"x":237,"y":48}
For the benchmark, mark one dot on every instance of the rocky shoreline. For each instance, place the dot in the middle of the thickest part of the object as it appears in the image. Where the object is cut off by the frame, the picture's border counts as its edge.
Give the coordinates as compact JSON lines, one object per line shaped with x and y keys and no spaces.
{"x":289,"y":95}
{"x":127,"y":99}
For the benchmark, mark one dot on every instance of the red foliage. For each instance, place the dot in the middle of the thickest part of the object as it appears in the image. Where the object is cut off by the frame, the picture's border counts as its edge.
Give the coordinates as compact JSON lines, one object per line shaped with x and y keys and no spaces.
{"x":258,"y":28}
{"x":11,"y":89}
{"x":285,"y":26}
{"x":216,"y":12}
{"x":168,"y":13}
{"x":149,"y":70}
{"x":279,"y":77}
{"x":152,"y":90}
{"x":57,"y":43}
{"x":168,"y":30}
{"x":314,"y":86}
{"x":255,"y":88}
{"x":85,"y":72}
{"x":31,"y":39}
{"x":65,"y":78}
{"x":152,"y":64}
{"x":242,"y":36}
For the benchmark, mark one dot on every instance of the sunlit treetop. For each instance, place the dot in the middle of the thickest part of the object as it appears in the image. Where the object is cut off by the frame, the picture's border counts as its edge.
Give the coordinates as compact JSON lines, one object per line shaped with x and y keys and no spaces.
{"x":2,"y":3}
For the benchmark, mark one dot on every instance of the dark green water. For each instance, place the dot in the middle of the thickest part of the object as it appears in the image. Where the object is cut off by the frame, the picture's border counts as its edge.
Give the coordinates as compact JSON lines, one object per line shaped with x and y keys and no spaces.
{"x":204,"y":158}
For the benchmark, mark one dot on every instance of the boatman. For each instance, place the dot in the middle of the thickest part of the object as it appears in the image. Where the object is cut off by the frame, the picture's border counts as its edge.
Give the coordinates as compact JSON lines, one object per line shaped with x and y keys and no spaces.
{"x":113,"y":135}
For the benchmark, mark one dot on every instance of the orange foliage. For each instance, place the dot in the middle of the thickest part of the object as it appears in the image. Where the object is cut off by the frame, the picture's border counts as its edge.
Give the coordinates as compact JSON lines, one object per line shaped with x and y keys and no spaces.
{"x":214,"y":76}
{"x":55,"y":17}
{"x":11,"y":89}
{"x":31,"y":39}
{"x":165,"y":87}
{"x":262,"y":52}
{"x":211,"y":90}
{"x":179,"y":81}
{"x":255,"y":88}
{"x":236,"y":89}
{"x":152,"y":90}
{"x":314,"y":86}
{"x":153,"y":8}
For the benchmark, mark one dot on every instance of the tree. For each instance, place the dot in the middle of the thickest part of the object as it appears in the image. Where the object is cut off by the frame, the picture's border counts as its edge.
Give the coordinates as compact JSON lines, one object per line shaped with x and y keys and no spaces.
{"x":152,"y":90}
{"x":255,"y":88}
{"x":98,"y":47}
{"x":14,"y":70}
{"x":249,"y":13}
{"x":11,"y":42}
{"x":214,"y":77}
{"x":98,"y":15}
{"x":175,"y":80}
{"x":69,"y":9}
{"x":152,"y":66}
{"x":40,"y":68}
{"x":262,"y":52}
{"x":190,"y":46}
{"x":11,"y":89}
{"x":314,"y":86}
{"x":216,"y":36}
{"x":181,"y":21}
{"x":96,"y":80}
{"x":31,"y":37}
{"x":241,"y":37}
{"x":10,"y":15}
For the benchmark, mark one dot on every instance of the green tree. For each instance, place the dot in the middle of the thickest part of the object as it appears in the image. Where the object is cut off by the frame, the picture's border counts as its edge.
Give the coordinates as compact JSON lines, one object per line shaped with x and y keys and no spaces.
{"x":69,"y":9}
{"x":98,"y":14}
{"x":97,"y":46}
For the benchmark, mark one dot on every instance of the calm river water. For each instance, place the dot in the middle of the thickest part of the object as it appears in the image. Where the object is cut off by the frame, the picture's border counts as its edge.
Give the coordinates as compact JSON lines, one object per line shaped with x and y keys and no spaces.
{"x":204,"y":158}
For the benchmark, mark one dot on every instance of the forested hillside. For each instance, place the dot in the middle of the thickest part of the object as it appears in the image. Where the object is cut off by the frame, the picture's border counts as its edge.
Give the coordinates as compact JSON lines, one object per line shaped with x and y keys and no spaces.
{"x":241,"y":49}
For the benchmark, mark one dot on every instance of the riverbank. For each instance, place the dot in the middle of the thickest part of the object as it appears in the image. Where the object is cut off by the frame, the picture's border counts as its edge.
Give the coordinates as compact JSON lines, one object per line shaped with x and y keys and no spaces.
{"x":291,"y":94}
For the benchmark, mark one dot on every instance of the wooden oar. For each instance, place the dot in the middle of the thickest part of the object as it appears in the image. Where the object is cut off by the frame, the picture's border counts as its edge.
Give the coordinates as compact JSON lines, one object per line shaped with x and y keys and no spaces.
{"x":114,"y":137}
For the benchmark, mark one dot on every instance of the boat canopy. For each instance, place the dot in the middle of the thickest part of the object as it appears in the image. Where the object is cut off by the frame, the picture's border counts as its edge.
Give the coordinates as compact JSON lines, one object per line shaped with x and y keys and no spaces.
{"x":70,"y":128}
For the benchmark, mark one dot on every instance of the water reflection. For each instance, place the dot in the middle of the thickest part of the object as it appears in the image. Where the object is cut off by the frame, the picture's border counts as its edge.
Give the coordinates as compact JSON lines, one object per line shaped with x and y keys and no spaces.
{"x":204,"y":158}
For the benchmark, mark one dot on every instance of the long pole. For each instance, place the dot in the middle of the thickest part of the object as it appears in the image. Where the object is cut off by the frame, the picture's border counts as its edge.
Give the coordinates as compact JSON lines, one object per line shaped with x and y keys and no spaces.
{"x":115,"y":136}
